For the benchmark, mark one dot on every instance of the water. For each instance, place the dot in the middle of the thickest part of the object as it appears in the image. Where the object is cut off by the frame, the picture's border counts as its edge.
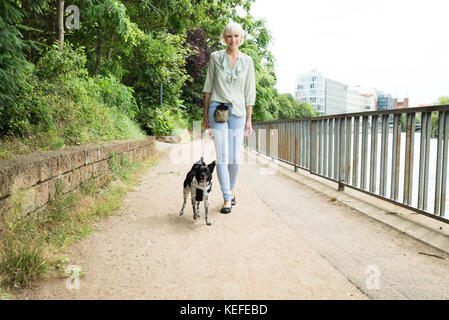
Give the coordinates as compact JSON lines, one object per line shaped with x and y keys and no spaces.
{"x":415,"y":178}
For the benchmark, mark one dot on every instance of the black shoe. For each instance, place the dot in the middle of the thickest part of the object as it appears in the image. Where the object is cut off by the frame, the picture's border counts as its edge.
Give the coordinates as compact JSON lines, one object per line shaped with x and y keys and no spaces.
{"x":233,"y":202}
{"x":226,"y":210}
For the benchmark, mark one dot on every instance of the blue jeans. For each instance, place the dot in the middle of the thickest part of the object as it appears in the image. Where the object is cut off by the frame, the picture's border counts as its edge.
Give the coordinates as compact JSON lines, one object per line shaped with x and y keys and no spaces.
{"x":228,"y":140}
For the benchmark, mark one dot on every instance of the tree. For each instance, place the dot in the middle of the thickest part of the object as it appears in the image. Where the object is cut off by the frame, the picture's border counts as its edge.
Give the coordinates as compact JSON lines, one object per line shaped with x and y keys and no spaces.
{"x":139,"y":43}
{"x":13,"y":65}
{"x":61,"y":23}
{"x":443,"y":100}
{"x":265,"y":109}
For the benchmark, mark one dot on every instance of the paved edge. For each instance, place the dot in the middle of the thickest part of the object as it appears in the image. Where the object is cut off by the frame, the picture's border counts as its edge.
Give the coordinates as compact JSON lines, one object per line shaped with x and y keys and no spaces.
{"x":417,"y":226}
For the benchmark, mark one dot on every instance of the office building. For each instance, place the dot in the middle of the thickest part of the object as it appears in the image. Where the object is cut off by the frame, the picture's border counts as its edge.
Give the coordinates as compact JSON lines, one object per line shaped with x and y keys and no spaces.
{"x":328,"y":96}
{"x":401,"y":105}
{"x":310,"y":87}
{"x":385,"y":101}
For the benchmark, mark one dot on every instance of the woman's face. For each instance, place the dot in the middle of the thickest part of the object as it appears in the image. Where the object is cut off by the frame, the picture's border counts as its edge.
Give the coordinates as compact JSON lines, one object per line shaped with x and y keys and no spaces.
{"x":233,"y":40}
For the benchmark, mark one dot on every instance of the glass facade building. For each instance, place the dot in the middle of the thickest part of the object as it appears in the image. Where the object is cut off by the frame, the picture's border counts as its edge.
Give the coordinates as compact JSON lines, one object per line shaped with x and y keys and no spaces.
{"x":310,"y":87}
{"x":385,"y":101}
{"x":332,"y":97}
{"x":335,"y":97}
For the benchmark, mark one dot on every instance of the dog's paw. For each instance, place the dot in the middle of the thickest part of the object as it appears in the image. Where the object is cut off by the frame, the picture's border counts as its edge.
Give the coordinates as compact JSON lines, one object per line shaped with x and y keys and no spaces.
{"x":181,"y":212}
{"x":208,"y":223}
{"x":195,"y":217}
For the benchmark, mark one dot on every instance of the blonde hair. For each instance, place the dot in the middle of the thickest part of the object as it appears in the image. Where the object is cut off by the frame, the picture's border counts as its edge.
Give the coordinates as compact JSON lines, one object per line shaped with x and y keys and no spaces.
{"x":231,"y":28}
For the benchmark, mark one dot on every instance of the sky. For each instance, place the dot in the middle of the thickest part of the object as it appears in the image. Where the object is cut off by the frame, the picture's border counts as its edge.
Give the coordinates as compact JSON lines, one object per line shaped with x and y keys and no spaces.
{"x":397,"y":46}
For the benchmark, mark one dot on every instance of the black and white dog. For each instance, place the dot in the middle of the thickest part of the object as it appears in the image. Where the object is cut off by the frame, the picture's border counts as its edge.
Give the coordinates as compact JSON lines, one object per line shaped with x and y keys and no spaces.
{"x":198,"y":183}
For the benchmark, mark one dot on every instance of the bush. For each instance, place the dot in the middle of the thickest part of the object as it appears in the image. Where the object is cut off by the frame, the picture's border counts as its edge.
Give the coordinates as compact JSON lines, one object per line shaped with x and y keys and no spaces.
{"x":114,"y":94}
{"x":157,"y":121}
{"x":59,"y":99}
{"x":66,"y":63}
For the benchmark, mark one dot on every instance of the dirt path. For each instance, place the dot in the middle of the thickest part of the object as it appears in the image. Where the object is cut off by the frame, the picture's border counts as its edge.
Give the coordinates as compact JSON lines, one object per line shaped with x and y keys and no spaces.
{"x":149,"y":252}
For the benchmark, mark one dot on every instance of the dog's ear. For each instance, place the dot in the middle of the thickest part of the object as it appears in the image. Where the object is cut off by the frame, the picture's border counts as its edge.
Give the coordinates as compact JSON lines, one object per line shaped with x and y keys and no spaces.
{"x":212,"y":165}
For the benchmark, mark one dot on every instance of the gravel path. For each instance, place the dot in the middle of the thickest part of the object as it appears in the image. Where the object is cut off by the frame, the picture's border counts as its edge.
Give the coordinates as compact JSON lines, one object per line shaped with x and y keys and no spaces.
{"x":149,"y":252}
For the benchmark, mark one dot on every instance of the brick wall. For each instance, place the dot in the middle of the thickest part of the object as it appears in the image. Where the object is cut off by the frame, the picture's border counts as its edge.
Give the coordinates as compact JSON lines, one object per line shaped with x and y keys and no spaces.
{"x":38,"y":174}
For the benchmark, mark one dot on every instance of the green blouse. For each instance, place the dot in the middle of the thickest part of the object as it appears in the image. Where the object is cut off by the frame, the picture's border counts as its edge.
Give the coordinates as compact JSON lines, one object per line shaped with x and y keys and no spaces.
{"x":236,"y":86}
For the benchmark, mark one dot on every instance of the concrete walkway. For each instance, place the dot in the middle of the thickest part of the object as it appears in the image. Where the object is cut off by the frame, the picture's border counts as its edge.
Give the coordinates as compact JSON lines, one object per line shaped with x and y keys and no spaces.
{"x":365,"y":238}
{"x":283,"y":240}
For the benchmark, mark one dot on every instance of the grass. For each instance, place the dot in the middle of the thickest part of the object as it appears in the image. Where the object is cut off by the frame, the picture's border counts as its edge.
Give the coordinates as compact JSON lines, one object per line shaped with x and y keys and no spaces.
{"x":33,"y":246}
{"x":11,"y":146}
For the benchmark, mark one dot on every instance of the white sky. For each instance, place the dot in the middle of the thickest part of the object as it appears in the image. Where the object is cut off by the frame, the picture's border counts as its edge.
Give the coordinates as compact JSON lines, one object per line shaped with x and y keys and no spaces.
{"x":397,"y":46}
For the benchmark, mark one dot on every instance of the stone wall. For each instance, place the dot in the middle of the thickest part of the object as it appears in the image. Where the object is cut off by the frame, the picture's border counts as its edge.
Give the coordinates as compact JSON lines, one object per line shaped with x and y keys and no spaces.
{"x":37,"y":175}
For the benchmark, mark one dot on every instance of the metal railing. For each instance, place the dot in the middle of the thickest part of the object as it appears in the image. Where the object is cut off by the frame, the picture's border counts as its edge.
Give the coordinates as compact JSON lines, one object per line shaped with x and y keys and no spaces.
{"x":344,"y":148}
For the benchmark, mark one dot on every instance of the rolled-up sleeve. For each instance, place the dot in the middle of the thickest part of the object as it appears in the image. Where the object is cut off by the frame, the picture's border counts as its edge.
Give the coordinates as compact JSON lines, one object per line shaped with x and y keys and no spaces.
{"x":208,"y":84}
{"x":250,"y":85}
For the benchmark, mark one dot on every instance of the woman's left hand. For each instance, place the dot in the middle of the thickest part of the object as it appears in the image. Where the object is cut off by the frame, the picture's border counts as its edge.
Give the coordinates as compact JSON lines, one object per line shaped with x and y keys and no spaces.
{"x":248,"y":128}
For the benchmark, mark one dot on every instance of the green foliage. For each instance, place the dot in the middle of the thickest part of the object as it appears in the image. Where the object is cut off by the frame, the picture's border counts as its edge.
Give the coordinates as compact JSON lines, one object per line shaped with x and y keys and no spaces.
{"x":265,"y":109}
{"x":61,"y":100}
{"x":34,"y":244}
{"x":116,"y":95}
{"x":156,"y":59}
{"x":13,"y":66}
{"x":62,"y":64}
{"x":130,"y":48}
{"x":21,"y":263}
{"x":21,"y":254}
{"x":305,"y":109}
{"x":434,"y":124}
{"x":289,"y":108}
{"x":443,"y":100}
{"x":158,"y":121}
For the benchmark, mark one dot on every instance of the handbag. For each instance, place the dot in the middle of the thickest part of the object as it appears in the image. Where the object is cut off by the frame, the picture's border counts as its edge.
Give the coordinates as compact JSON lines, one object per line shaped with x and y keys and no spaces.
{"x":221,"y":113}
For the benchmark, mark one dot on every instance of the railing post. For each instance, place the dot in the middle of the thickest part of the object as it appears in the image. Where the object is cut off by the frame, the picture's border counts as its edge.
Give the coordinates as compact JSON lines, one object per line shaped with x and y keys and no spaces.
{"x":355,"y":157}
{"x":444,"y":168}
{"x":257,"y":140}
{"x":296,"y":148}
{"x":396,"y":156}
{"x":363,"y":165}
{"x":325,"y":135}
{"x":336,"y":148}
{"x":342,"y":150}
{"x":409,"y":155}
{"x":441,"y":117}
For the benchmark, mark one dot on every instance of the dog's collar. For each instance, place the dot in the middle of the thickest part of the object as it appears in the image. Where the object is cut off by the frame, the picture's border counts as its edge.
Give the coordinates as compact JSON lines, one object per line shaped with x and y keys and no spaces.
{"x":200,"y":186}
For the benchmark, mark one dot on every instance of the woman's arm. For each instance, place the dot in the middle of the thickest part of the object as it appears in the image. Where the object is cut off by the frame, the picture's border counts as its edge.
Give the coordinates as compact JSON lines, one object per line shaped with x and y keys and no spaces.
{"x":206,"y":105}
{"x":250,"y":97}
{"x":207,"y":90}
{"x":206,"y":111}
{"x":248,"y":125}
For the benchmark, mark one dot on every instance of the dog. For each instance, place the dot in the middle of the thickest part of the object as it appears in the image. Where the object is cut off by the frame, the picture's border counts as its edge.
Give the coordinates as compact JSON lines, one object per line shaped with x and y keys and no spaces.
{"x":198,"y":183}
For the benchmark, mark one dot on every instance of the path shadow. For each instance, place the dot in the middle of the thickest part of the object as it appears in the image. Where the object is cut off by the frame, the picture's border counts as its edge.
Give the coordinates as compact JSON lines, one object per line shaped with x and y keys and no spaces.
{"x":174,"y":223}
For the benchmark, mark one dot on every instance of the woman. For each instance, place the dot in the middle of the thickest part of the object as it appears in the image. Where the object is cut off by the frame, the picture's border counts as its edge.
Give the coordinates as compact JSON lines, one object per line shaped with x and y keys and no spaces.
{"x":230,"y":80}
